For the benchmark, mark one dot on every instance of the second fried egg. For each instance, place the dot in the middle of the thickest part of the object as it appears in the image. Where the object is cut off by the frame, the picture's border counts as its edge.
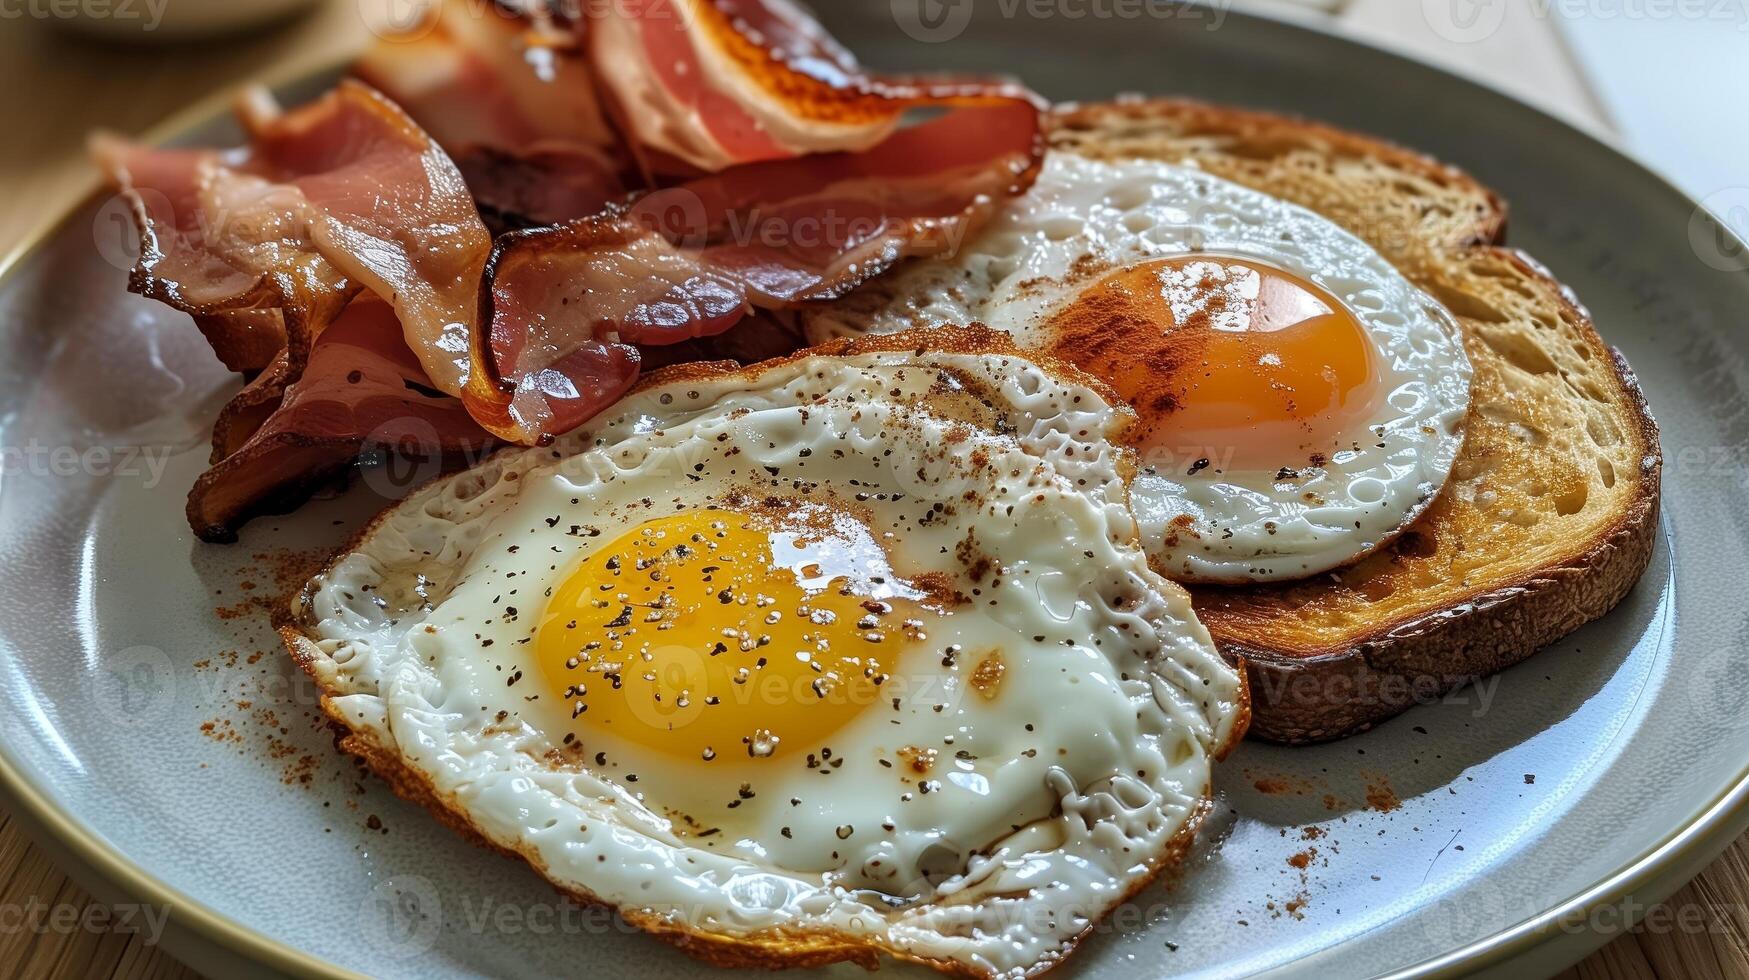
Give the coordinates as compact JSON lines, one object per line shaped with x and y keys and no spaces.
{"x":1300,"y":400}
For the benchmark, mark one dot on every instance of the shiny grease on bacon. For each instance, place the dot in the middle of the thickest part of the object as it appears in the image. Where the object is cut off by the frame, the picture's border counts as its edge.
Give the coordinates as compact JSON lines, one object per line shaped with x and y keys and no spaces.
{"x":811,"y":188}
{"x":267,"y":245}
{"x":360,"y":393}
{"x":773,"y":166}
{"x":506,"y":90}
{"x":693,"y":260}
{"x":769,"y":126}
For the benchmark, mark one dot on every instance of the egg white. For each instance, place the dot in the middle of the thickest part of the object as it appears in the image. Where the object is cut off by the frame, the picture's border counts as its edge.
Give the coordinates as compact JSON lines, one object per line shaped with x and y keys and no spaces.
{"x":1297,"y":517}
{"x":1054,"y":799}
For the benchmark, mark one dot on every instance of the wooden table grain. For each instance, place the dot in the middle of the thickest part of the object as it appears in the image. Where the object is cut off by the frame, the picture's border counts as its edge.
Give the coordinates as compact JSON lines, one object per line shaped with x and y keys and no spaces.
{"x":59,"y":85}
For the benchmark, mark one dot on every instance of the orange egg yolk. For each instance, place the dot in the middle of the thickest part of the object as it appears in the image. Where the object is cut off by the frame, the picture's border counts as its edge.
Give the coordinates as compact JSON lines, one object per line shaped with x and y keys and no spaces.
{"x":719,"y":635}
{"x":1230,"y":363}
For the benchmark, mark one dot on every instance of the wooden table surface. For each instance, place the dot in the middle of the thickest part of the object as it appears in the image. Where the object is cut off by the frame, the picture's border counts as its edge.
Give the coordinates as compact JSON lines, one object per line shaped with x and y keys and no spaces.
{"x":61,"y":85}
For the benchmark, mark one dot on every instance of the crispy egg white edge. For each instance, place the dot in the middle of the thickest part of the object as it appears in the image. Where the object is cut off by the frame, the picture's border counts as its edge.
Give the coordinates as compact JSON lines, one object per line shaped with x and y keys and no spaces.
{"x":1245,"y":526}
{"x":378,"y":684}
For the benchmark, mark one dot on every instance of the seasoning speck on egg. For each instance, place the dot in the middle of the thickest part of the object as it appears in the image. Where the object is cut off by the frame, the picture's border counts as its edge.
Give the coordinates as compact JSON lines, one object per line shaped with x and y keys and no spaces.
{"x":860,"y":650}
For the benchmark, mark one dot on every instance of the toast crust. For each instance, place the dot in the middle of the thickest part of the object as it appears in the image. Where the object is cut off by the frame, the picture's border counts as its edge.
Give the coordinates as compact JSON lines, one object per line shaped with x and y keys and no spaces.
{"x":1307,"y":695}
{"x":1464,"y":593}
{"x":1181,"y":130}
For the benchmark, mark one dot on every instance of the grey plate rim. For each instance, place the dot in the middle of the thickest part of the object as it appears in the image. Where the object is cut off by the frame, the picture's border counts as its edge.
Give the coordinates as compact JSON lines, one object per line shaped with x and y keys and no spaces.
{"x":199,"y":934}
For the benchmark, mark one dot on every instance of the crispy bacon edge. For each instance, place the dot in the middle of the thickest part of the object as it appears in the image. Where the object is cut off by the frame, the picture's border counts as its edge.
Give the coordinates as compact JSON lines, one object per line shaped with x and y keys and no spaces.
{"x":330,"y":377}
{"x":704,"y":273}
{"x":361,"y":395}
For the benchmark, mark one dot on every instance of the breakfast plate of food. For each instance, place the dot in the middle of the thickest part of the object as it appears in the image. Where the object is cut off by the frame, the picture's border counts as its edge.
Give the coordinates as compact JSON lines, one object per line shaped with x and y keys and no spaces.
{"x":634,"y":489}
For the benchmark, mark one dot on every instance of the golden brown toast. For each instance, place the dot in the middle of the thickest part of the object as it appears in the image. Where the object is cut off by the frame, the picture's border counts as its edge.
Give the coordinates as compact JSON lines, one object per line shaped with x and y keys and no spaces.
{"x":1550,"y":515}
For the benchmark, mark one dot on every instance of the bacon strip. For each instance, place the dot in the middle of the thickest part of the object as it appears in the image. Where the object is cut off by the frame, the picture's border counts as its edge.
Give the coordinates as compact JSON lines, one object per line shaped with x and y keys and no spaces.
{"x":342,"y":194}
{"x":503,"y":74}
{"x":387,"y":208}
{"x":578,"y":93}
{"x":256,"y":286}
{"x":692,"y":260}
{"x":712,"y":85}
{"x":784,"y":177}
{"x":266,"y":246}
{"x":504,"y":88}
{"x":231,"y":271}
{"x":361,"y":393}
{"x":544,"y":184}
{"x":775,"y":171}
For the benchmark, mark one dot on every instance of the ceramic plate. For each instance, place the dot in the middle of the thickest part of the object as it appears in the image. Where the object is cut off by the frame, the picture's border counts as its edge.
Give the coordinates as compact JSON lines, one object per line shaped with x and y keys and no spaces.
{"x":158,"y":740}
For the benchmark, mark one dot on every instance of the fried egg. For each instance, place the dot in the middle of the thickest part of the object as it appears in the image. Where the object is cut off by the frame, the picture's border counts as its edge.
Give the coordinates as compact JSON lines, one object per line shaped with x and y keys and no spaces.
{"x":1300,"y":400}
{"x":851,"y":652}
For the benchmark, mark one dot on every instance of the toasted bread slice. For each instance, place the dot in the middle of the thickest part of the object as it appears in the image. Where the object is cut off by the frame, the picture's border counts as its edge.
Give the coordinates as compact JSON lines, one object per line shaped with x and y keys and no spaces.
{"x":1550,"y":515}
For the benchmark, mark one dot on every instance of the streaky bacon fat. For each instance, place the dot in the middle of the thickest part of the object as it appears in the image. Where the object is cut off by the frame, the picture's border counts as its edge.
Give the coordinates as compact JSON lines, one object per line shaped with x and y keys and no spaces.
{"x":505,"y":89}
{"x":781,"y":177}
{"x":266,"y":246}
{"x":774,"y":171}
{"x":714,"y":83}
{"x":692,"y":260}
{"x":776,"y":224}
{"x":342,"y":194}
{"x":361,"y":392}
